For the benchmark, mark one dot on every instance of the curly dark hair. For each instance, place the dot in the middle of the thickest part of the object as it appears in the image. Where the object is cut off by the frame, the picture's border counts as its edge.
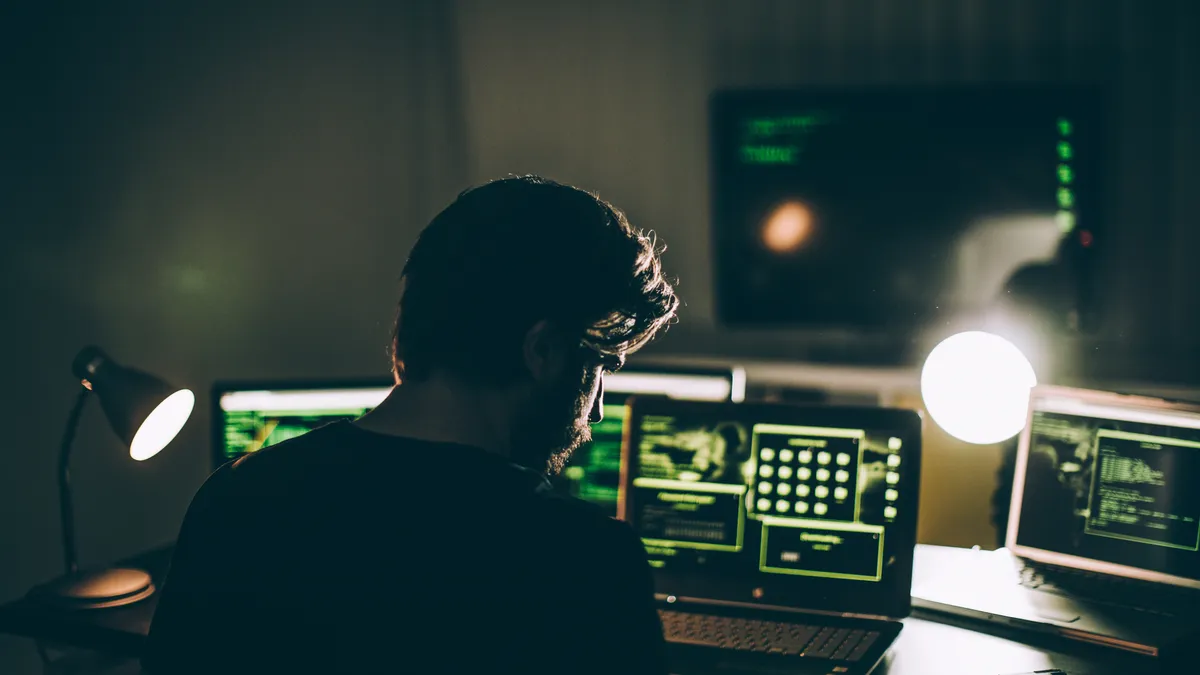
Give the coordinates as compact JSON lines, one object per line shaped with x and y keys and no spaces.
{"x":515,"y":251}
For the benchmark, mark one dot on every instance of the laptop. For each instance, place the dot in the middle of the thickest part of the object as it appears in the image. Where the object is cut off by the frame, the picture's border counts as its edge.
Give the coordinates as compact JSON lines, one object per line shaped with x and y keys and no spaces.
{"x":1103,"y":543}
{"x":594,"y":472}
{"x":250,"y":416}
{"x":781,"y":537}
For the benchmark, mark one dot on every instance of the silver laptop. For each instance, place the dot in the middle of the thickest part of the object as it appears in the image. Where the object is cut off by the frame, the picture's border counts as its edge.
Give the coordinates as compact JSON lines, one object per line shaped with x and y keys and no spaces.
{"x":1103,"y":541}
{"x":781,"y":537}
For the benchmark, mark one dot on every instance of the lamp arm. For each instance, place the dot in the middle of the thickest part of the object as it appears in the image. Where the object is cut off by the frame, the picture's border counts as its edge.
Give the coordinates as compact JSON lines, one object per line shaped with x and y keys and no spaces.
{"x":66,"y":508}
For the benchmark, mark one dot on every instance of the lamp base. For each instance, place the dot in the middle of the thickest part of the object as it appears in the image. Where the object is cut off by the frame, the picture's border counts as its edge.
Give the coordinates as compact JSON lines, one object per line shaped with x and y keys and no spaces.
{"x":99,"y":589}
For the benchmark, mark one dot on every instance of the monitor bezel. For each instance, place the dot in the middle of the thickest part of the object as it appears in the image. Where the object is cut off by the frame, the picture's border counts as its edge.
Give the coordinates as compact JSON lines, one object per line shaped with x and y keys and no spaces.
{"x":734,"y":375}
{"x":222,"y":387}
{"x":891,"y":599}
{"x":1044,"y":556}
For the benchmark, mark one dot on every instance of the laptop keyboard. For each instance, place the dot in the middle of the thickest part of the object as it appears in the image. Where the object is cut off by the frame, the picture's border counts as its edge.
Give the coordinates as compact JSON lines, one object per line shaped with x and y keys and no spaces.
{"x":768,"y":637}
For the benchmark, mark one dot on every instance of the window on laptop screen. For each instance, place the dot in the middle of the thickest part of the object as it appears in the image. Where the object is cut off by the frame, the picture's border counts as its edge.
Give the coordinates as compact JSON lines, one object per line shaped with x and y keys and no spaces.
{"x":248,"y":419}
{"x":801,"y":507}
{"x":1108,"y":483}
{"x":594,"y":472}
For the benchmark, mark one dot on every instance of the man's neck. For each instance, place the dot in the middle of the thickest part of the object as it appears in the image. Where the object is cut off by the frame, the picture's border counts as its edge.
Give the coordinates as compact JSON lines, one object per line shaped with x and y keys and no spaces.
{"x":441,"y":411}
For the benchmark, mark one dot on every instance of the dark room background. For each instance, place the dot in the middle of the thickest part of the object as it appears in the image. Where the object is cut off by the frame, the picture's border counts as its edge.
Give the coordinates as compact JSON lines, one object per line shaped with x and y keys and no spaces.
{"x":227,"y":190}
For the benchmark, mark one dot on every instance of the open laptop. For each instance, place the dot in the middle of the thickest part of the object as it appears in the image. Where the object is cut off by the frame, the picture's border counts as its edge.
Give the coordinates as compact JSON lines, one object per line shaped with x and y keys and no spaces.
{"x":781,"y":537}
{"x":249,"y":416}
{"x":594,"y":472}
{"x":1103,"y":543}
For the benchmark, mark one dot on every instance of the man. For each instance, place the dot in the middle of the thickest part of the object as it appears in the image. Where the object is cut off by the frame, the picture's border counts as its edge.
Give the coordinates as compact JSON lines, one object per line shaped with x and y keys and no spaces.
{"x":422,"y":537}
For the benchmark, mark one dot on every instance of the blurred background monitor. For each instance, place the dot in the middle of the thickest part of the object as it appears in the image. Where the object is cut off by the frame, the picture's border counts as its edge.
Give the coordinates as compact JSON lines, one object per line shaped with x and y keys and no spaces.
{"x":250,"y":416}
{"x":886,"y":211}
{"x":594,"y":473}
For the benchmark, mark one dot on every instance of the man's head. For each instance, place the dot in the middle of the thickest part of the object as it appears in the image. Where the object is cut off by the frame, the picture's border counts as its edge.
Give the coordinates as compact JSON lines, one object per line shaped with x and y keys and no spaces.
{"x":530,"y":289}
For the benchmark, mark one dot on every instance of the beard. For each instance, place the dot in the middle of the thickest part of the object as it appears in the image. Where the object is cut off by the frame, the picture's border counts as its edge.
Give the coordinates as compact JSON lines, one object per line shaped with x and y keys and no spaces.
{"x":554,"y":425}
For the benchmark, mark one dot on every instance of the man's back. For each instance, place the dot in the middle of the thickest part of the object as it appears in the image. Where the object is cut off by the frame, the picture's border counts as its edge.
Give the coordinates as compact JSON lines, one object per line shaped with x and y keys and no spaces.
{"x":350,"y":551}
{"x":357,"y":549}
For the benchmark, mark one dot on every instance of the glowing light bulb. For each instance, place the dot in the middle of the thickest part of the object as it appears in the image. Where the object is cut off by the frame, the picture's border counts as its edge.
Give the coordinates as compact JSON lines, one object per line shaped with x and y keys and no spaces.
{"x":162,"y":425}
{"x":976,"y":387}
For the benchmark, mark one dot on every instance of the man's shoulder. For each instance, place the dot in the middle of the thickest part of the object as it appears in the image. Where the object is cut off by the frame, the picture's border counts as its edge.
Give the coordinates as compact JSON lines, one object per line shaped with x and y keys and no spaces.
{"x":318,"y":440}
{"x":580,"y":524}
{"x":569,"y":508}
{"x":276,"y":465}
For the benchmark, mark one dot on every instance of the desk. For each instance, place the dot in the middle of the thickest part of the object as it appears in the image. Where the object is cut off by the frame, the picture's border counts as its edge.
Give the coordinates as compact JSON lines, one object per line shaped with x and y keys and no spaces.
{"x":935,"y":645}
{"x":928,"y":645}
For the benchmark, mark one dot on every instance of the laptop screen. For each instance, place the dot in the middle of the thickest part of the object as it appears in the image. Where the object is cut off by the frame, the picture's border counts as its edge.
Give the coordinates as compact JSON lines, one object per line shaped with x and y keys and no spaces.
{"x":783,"y":506}
{"x":1108,"y":483}
{"x":595,"y":469}
{"x":249,"y":417}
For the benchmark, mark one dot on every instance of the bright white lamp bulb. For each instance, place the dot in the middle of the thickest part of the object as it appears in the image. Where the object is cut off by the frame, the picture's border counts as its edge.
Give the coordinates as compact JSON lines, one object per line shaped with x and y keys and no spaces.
{"x":162,"y":425}
{"x":976,"y":387}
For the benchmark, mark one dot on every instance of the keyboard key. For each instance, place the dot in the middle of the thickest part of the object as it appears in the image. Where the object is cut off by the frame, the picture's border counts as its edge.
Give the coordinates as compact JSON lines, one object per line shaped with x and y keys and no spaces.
{"x":818,"y":642}
{"x":848,"y":645}
{"x":738,"y":634}
{"x":826,"y":650}
{"x":861,"y":650}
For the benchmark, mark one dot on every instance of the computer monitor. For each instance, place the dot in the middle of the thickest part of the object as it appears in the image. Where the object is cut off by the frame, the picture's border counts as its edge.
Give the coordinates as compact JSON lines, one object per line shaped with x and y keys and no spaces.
{"x":1107,"y":483}
{"x":812,"y":507}
{"x":249,"y":416}
{"x":593,"y":474}
{"x":884,"y":210}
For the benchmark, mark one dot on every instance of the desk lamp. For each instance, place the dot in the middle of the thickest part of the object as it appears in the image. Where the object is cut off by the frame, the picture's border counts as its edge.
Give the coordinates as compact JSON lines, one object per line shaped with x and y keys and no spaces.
{"x":146,"y":413}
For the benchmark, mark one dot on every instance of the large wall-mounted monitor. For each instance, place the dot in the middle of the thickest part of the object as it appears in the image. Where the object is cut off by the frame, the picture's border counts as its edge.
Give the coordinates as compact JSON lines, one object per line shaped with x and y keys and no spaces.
{"x":885,"y":211}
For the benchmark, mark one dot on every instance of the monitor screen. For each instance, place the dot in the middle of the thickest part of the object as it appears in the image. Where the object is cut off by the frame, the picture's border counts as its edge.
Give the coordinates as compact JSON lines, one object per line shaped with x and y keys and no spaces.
{"x":593,"y":474}
{"x":248,"y":418}
{"x":890,"y":209}
{"x":1107,"y":483}
{"x":776,"y":505}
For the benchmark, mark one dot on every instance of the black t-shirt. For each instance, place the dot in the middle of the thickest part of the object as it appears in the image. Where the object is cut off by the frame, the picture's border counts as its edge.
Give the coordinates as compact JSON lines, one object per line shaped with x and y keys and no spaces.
{"x":350,"y":551}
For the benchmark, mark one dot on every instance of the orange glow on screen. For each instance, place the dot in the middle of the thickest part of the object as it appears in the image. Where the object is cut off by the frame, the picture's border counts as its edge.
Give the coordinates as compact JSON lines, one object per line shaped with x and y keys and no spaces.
{"x":788,"y":227}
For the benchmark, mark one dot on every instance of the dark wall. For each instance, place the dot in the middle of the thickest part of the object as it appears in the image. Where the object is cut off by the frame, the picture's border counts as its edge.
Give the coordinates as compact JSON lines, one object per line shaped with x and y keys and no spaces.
{"x":612,"y":96}
{"x":229,"y":190}
{"x":223,"y":191}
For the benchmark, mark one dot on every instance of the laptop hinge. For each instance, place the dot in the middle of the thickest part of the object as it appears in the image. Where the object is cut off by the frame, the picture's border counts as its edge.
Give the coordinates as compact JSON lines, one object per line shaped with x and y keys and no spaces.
{"x":702,"y":602}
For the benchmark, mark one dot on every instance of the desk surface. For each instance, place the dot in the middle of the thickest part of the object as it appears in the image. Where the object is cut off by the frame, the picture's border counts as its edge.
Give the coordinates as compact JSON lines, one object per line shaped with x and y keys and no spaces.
{"x":928,"y":645}
{"x":933,"y":645}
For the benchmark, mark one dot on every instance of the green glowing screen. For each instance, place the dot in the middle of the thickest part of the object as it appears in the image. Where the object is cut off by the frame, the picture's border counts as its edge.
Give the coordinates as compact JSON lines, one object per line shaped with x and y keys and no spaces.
{"x":1115,"y":485}
{"x":734,"y":494}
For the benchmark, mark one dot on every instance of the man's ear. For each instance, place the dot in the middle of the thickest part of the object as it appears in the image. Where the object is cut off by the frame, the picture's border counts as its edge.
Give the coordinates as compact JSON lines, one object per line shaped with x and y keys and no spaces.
{"x":544,"y":352}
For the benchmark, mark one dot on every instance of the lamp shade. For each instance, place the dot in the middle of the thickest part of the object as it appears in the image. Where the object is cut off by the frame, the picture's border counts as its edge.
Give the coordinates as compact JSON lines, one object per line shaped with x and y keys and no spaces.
{"x":145,"y":412}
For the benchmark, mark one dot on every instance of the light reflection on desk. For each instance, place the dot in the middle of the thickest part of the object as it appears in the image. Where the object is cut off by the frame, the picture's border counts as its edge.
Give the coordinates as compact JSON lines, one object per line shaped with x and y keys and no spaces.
{"x":928,"y":648}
